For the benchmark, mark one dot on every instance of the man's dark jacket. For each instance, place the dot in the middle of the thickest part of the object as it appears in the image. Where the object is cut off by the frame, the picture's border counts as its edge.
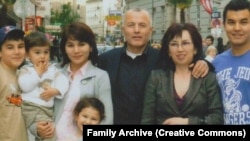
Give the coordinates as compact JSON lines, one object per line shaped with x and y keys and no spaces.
{"x":110,"y":62}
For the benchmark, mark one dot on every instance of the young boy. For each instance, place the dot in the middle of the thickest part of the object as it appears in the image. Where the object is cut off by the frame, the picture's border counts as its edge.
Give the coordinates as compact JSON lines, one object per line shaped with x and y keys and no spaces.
{"x":12,"y":54}
{"x":40,"y":82}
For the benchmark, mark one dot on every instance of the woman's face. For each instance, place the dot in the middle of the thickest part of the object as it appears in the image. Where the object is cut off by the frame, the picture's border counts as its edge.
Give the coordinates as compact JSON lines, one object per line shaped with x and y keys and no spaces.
{"x":78,"y":52}
{"x":181,"y":49}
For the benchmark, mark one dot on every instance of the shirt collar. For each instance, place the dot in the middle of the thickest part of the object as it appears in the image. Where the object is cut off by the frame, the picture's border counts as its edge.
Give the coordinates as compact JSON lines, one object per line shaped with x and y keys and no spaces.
{"x":124,"y":50}
{"x":81,"y":70}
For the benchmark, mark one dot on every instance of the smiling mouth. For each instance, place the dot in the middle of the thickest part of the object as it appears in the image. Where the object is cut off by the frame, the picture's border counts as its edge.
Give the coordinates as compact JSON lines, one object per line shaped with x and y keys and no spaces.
{"x":18,"y":58}
{"x":76,"y":56}
{"x":237,"y":35}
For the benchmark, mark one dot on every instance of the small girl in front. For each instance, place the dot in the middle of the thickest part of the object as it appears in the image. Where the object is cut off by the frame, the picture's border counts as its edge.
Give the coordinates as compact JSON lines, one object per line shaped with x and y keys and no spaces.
{"x":88,"y":111}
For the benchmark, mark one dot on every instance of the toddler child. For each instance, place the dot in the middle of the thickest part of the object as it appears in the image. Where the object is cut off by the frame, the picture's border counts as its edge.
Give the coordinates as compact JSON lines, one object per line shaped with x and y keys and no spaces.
{"x":40,"y":82}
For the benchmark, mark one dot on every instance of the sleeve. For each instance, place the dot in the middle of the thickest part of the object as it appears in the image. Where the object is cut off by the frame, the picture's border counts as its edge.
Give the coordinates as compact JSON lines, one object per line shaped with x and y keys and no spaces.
{"x":103,"y":92}
{"x":28,"y":79}
{"x":33,"y":130}
{"x":215,"y":107}
{"x":101,"y":62}
{"x":61,"y":83}
{"x":210,"y":65}
{"x":104,"y":60}
{"x":148,"y":114}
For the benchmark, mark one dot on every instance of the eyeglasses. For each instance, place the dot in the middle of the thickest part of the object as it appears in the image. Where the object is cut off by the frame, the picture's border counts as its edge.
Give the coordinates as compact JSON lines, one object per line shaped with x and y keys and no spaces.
{"x":183,"y":44}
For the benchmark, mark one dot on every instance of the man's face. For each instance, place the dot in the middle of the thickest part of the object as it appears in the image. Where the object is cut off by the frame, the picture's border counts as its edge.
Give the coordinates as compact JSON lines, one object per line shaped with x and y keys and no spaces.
{"x":208,"y":41}
{"x":237,"y":27}
{"x":137,"y":29}
{"x":12,"y":53}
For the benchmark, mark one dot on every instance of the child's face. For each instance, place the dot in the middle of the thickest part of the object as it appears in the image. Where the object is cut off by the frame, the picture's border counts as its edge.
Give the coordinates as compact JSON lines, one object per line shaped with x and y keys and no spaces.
{"x":39,"y":54}
{"x":13,"y":53}
{"x":88,"y":116}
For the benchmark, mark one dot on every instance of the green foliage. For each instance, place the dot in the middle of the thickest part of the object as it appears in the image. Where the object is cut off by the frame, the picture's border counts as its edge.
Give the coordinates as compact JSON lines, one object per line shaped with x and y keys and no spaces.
{"x":182,"y":5}
{"x":173,"y":2}
{"x":41,"y":29}
{"x":9,"y":1}
{"x":64,"y":17}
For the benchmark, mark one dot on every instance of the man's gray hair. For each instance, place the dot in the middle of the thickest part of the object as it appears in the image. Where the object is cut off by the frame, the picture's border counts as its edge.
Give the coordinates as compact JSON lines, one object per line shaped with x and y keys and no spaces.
{"x":137,"y":9}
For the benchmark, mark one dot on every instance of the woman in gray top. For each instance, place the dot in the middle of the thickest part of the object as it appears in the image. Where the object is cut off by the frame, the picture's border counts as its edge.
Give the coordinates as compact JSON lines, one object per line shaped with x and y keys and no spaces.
{"x":173,"y":95}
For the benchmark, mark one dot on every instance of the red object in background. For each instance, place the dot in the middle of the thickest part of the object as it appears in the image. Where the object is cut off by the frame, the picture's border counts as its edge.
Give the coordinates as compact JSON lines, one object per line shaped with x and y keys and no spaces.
{"x":39,"y":21}
{"x":207,"y":5}
{"x":216,"y":22}
{"x":49,"y":37}
{"x":30,"y":23}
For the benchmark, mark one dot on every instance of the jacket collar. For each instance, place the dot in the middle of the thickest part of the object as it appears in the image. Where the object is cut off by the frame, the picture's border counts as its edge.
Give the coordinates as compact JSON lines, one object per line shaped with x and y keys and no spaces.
{"x":89,"y":70}
{"x":194,"y":87}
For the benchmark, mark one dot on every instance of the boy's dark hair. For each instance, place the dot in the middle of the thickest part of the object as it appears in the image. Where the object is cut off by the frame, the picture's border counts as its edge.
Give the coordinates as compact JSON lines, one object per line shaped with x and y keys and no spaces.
{"x":90,"y":102}
{"x":235,"y":5}
{"x":10,"y":33}
{"x":35,"y":38}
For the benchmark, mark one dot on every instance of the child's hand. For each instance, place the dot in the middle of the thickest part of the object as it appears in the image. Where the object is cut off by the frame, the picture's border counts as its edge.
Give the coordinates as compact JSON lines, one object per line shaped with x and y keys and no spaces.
{"x":49,"y":93}
{"x":41,"y":67}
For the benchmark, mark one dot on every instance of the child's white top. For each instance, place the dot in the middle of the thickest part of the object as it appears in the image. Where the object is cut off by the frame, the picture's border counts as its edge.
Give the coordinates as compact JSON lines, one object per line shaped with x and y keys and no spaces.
{"x":32,"y":85}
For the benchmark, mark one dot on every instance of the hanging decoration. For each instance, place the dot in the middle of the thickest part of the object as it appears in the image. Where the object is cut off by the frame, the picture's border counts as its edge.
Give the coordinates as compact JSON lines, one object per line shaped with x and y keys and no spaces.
{"x":24,"y":8}
{"x":207,"y":5}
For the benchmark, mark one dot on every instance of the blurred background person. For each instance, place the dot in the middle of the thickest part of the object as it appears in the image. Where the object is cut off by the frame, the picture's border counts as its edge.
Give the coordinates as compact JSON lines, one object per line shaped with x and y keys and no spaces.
{"x":220,"y":46}
{"x":211,"y":52}
{"x":209,"y":41}
{"x":156,"y":45}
